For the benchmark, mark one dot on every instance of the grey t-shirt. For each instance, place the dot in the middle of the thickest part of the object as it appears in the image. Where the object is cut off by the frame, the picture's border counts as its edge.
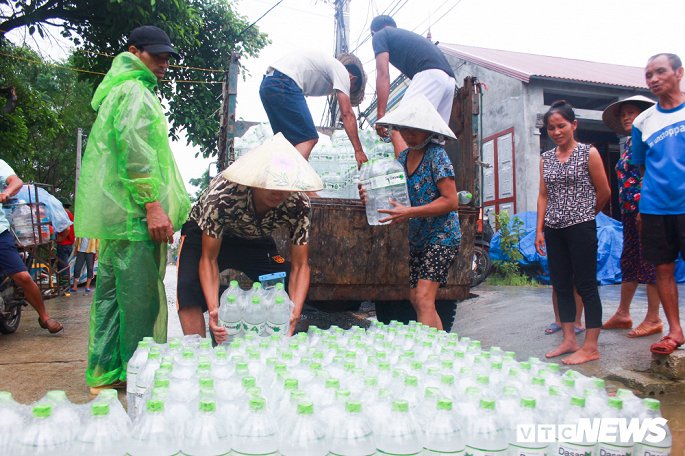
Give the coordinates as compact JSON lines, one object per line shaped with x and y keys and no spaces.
{"x":410,"y":53}
{"x":316,"y":73}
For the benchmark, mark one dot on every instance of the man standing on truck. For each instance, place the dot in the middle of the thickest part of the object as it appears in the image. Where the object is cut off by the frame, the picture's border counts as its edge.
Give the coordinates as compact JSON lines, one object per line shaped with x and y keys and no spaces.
{"x":230,"y":227}
{"x":132,"y":198}
{"x":312,"y":74}
{"x":418,"y":59}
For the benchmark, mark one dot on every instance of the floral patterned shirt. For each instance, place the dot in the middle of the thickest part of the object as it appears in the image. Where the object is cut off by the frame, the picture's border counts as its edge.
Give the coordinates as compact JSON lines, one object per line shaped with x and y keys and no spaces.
{"x":629,"y":181}
{"x":226,"y":208}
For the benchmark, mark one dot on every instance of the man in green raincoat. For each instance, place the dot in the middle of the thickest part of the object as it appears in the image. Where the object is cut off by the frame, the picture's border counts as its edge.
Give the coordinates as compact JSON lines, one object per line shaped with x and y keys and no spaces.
{"x":130,"y":196}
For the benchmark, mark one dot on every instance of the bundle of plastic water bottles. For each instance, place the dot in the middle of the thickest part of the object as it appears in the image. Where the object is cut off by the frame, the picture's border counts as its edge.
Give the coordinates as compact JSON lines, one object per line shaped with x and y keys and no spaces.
{"x":393,"y":389}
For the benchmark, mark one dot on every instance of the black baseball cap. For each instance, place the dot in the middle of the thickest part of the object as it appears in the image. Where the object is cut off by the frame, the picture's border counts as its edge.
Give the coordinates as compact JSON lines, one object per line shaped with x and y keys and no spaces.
{"x":152,"y":39}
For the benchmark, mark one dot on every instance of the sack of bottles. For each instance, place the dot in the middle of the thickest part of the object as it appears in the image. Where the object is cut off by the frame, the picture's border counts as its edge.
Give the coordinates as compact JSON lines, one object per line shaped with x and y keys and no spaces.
{"x":390,"y":390}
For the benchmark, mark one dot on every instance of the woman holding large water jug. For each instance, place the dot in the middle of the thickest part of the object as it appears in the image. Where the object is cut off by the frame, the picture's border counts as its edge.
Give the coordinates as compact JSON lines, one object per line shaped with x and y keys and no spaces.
{"x":434,"y":233}
{"x":230,"y":227}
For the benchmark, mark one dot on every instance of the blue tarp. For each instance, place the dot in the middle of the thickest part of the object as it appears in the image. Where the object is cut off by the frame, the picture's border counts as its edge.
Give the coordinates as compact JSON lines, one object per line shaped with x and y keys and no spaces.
{"x":609,"y":246}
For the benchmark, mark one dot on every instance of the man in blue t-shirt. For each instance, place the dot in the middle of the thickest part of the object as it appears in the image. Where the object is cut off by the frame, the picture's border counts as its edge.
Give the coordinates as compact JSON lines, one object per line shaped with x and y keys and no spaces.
{"x":418,"y":59}
{"x":11,"y":263}
{"x":659,"y":149}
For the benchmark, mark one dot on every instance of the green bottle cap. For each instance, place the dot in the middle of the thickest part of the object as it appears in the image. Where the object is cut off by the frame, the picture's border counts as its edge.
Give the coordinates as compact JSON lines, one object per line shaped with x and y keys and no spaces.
{"x":599,"y":383}
{"x":155,"y":406}
{"x":578,"y":401}
{"x":174,"y":343}
{"x":42,"y":410}
{"x":652,"y":404}
{"x":99,"y":409}
{"x":161,"y":382}
{"x":332,"y":383}
{"x":290,"y":384}
{"x":623,"y":393}
{"x":108,"y":393}
{"x":279,"y":300}
{"x":233,"y":284}
{"x":257,"y":404}
{"x":553,"y":391}
{"x":371,"y":381}
{"x":444,"y":404}
{"x":249,"y":382}
{"x":447,"y":364}
{"x":255,"y":300}
{"x":509,"y":391}
{"x":154,"y":355}
{"x":256,"y":285}
{"x":400,"y":406}
{"x":483,"y":380}
{"x":616,"y":403}
{"x":353,"y":406}
{"x":207,"y":406}
{"x":447,"y":379}
{"x":411,"y":380}
{"x":208,"y":382}
{"x":553,"y":367}
{"x":525,"y":365}
{"x":430,"y":392}
{"x":538,"y":381}
{"x":528,"y":402}
{"x":56,"y":396}
{"x":305,"y":408}
{"x":232,"y":299}
{"x":569,"y":382}
{"x":342,"y":394}
{"x":5,"y":396}
{"x":487,"y":404}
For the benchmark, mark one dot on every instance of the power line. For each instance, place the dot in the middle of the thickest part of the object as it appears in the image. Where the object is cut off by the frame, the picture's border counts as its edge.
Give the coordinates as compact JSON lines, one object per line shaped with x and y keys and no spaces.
{"x":258,"y":19}
{"x":211,"y":70}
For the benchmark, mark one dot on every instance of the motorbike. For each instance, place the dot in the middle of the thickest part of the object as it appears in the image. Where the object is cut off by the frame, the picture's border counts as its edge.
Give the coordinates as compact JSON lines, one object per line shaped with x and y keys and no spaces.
{"x":481,"y":264}
{"x":11,"y":302}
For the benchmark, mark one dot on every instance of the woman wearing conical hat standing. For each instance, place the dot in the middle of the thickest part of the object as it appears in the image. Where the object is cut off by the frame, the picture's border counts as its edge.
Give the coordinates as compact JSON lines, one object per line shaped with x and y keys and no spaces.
{"x":619,"y":116}
{"x":434,"y":233}
{"x":230,"y":226}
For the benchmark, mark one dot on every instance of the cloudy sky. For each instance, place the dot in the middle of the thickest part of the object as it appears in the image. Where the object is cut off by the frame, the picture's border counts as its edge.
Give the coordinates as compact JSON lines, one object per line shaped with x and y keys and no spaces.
{"x":609,"y":31}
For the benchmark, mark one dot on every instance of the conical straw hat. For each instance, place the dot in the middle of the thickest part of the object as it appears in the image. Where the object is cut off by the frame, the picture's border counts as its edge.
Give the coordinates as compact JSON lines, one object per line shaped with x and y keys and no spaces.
{"x":611,"y":115}
{"x":417,"y":112}
{"x":274,"y":165}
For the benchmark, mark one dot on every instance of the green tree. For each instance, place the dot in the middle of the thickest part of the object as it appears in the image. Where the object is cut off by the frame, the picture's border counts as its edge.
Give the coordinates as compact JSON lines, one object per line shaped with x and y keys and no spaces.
{"x":38,"y":138}
{"x":204,"y":31}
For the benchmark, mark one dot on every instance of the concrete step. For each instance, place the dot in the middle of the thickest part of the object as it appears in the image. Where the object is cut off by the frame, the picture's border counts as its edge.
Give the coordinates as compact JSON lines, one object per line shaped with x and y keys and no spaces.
{"x":669,"y":366}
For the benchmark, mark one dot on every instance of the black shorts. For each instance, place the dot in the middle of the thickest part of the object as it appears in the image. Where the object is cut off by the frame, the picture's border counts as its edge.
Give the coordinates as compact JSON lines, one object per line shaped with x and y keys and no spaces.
{"x":433,"y":263}
{"x":253,"y":257}
{"x":663,"y":236}
{"x":10,"y":260}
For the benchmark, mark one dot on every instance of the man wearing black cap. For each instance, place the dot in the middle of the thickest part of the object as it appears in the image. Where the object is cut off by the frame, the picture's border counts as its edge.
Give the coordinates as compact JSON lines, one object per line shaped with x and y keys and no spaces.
{"x":132,"y":198}
{"x":418,"y":59}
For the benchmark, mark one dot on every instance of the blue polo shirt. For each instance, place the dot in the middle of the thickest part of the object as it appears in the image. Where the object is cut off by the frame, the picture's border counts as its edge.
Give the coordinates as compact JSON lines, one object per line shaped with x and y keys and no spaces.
{"x":659,"y":146}
{"x":5,"y":172}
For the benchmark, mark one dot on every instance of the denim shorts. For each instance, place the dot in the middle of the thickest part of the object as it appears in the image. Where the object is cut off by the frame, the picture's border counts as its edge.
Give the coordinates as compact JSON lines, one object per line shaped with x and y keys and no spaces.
{"x":286,"y":108}
{"x":10,"y":261}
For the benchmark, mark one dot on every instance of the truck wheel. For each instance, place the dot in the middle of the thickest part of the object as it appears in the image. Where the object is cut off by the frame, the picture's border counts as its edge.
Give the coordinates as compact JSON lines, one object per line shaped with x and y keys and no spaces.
{"x":481,"y":266}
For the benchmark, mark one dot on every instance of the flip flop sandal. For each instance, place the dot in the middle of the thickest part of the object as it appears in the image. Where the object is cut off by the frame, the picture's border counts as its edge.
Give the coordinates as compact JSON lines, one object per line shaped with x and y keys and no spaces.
{"x":641,"y":331}
{"x":613,"y":324}
{"x":552,"y":328}
{"x":578,"y":330}
{"x":665,"y":346}
{"x":95,"y":390}
{"x":52,"y":325}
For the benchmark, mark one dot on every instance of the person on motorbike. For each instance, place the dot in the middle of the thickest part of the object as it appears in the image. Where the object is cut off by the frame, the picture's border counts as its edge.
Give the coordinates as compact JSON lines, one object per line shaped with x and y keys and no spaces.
{"x":11,"y":263}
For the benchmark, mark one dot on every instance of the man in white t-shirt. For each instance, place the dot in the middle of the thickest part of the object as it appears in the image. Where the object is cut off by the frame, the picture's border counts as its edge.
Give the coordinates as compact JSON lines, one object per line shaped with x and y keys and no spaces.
{"x":11,"y":263}
{"x":312,"y":74}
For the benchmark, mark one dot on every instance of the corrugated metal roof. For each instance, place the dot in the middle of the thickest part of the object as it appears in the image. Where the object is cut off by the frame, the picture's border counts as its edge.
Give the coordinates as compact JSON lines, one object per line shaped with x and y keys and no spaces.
{"x":524,"y":66}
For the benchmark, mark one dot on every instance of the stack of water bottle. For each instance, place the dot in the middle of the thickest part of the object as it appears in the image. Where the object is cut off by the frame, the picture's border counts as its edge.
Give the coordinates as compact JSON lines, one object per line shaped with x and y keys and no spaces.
{"x":393,"y":389}
{"x":257,"y":311}
{"x":30,"y":223}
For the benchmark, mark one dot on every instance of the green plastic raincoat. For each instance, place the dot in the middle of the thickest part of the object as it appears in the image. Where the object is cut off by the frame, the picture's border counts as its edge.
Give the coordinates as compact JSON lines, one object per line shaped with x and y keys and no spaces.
{"x":127,"y":163}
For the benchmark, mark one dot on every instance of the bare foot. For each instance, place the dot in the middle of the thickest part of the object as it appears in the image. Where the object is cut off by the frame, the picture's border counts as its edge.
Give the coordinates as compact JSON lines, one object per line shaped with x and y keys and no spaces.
{"x":581,"y":356}
{"x":562,"y":349}
{"x":618,"y":322}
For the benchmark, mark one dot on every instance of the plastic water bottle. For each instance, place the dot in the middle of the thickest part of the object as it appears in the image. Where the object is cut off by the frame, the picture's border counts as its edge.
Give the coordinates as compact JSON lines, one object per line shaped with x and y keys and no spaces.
{"x":144,"y":380}
{"x":663,"y":448}
{"x":485,"y":436}
{"x":204,"y":434}
{"x":151,"y":434}
{"x":401,"y":434}
{"x":257,"y":434}
{"x":64,"y":414}
{"x":278,"y":316}
{"x":353,"y":435}
{"x":230,"y":316}
{"x":254,"y":316}
{"x":386,"y":179}
{"x":116,"y":413}
{"x":11,"y":419}
{"x":43,"y":436}
{"x":572,"y":416}
{"x":443,"y":434}
{"x":527,"y":415}
{"x":304,"y":436}
{"x":618,"y":447}
{"x":101,"y":434}
{"x":135,"y":364}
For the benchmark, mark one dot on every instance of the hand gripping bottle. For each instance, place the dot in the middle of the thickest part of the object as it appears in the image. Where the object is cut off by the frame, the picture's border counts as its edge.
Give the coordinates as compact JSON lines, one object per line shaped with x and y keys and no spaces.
{"x":386,"y":180}
{"x":230,"y":316}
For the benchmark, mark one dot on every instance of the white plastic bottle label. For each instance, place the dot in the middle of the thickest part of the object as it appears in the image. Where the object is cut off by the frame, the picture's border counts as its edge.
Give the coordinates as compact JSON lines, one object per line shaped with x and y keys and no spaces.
{"x":251,"y":328}
{"x":605,"y":449}
{"x":571,"y":449}
{"x":643,"y":449}
{"x":388,"y":180}
{"x":232,"y":327}
{"x":518,"y":451}
{"x":476,"y":452}
{"x":275,"y":328}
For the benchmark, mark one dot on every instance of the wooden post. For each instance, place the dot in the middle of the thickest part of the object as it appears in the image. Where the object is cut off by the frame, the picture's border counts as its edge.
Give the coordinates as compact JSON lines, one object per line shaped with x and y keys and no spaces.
{"x":226,"y":152}
{"x":79,"y":143}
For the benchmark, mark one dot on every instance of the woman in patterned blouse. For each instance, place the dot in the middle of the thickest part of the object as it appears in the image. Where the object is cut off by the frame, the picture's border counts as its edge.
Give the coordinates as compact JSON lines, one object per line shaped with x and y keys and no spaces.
{"x":619,"y":117}
{"x":573,"y":189}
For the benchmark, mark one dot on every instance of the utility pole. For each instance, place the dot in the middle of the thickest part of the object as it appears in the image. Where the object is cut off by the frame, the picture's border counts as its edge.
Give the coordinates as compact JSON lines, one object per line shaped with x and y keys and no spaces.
{"x":79,"y":145}
{"x":342,"y":46}
{"x":229,"y":94}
